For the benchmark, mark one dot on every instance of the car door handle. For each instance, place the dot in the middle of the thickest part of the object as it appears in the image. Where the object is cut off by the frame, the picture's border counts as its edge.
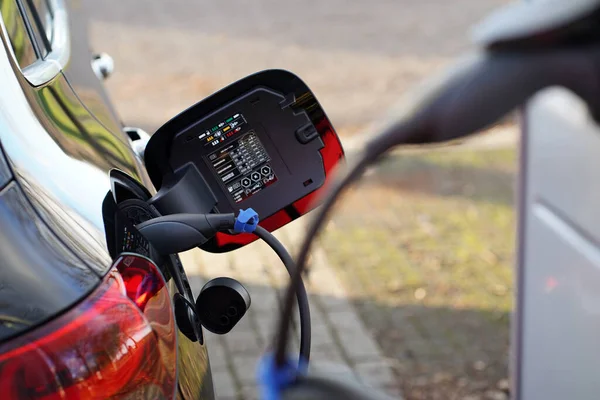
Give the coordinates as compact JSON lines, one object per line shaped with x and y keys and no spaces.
{"x":138,"y":138}
{"x":103,"y":65}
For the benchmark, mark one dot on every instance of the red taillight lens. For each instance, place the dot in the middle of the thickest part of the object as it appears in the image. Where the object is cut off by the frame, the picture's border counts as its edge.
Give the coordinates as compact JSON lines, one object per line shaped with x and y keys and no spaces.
{"x":118,"y":343}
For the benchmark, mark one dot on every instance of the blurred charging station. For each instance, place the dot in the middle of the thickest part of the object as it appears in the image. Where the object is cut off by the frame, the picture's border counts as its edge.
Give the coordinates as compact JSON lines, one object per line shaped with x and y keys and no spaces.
{"x":557,"y":323}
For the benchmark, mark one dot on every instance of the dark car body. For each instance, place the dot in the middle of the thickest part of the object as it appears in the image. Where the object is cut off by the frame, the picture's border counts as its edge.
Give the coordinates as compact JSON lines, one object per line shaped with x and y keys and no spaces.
{"x":60,"y":137}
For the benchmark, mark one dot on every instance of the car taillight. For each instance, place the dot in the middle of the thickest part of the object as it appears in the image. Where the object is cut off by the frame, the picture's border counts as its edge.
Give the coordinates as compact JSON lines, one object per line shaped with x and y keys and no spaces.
{"x":118,"y":343}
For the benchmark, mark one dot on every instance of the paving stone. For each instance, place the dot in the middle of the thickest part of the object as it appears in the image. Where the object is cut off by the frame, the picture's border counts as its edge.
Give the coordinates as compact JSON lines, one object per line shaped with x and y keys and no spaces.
{"x":346,"y":320}
{"x":353,"y":337}
{"x":216,"y":352}
{"x":265,"y":325}
{"x":320,"y":327}
{"x":330,"y":368}
{"x":224,"y":384}
{"x":245,"y":368}
{"x":294,"y":344}
{"x":329,"y":360}
{"x":325,"y":353}
{"x":264,"y":299}
{"x":317,"y":316}
{"x":242,"y":343}
{"x":250,"y":392}
{"x":321,"y":336}
{"x":377,"y":374}
{"x":332,"y":303}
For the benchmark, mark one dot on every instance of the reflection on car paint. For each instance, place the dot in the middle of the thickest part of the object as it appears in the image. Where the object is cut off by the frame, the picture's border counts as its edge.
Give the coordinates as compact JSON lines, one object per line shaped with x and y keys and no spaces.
{"x":34,"y":284}
{"x":86,"y":85}
{"x":81,"y":136}
{"x":195,"y":379}
{"x":63,"y":163}
{"x":15,"y":27}
{"x":5,"y":174}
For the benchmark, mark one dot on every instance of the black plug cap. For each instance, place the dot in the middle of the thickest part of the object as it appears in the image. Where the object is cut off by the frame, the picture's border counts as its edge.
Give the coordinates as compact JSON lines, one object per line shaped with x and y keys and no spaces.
{"x":221,"y":304}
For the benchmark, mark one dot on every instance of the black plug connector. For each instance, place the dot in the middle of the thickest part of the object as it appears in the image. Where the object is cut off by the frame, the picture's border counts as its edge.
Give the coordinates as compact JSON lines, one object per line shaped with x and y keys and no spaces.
{"x":175,"y":233}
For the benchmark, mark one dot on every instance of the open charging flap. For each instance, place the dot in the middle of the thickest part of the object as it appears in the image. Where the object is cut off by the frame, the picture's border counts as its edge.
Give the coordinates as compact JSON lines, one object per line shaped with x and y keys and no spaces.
{"x":263,"y":142}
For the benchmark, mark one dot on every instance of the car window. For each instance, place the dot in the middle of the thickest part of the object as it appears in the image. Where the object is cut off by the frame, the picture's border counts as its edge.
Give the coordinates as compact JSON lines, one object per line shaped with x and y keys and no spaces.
{"x":37,"y":12}
{"x":44,"y":13}
{"x":17,"y":33}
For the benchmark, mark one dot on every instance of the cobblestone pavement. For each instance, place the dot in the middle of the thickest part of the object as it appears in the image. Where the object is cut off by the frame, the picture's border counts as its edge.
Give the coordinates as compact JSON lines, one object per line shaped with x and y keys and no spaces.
{"x":340,"y":342}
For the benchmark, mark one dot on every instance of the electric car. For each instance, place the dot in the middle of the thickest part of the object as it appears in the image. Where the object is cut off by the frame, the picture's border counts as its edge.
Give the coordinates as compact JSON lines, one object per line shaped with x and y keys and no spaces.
{"x":94,"y":301}
{"x":81,"y":321}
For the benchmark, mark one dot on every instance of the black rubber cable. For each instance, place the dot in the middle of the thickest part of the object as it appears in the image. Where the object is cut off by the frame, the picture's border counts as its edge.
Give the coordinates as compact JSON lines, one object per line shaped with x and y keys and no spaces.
{"x":301,"y":295}
{"x":296,"y":284}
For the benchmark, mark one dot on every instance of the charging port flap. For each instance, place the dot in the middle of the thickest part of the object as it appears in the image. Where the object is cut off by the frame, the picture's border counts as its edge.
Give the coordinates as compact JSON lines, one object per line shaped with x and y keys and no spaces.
{"x":263,"y":142}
